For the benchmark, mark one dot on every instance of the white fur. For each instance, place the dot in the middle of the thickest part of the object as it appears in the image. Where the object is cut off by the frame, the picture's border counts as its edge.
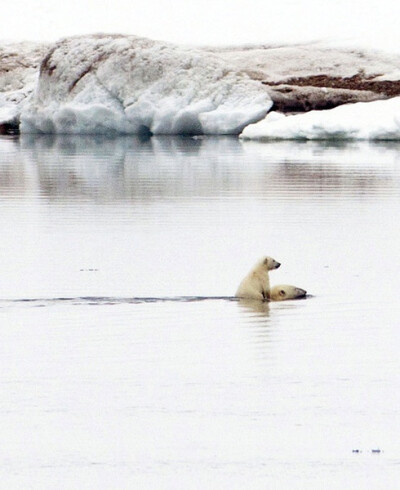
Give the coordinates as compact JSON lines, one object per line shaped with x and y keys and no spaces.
{"x":282,"y":292}
{"x":256,"y":284}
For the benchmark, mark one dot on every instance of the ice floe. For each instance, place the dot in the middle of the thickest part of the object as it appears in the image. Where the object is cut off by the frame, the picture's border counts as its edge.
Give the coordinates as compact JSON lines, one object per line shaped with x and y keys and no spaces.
{"x":379,"y":120}
{"x":127,"y":84}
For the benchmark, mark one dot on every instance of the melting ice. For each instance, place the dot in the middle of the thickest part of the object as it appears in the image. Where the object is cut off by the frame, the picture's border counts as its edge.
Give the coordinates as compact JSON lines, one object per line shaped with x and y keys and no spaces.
{"x":126,"y":84}
{"x":378,"y":120}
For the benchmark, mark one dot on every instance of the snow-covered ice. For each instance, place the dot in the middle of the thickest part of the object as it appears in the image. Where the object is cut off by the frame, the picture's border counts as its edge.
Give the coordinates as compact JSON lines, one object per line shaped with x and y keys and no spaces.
{"x":379,"y":120}
{"x":126,"y":84}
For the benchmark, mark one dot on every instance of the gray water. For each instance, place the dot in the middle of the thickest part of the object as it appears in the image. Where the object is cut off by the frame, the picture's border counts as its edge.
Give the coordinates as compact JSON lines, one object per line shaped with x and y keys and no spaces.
{"x":124,"y":360}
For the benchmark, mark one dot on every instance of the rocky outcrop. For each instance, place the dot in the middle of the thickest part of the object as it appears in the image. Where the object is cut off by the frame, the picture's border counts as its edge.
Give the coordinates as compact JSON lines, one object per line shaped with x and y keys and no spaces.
{"x":19,"y":66}
{"x":316,"y":76}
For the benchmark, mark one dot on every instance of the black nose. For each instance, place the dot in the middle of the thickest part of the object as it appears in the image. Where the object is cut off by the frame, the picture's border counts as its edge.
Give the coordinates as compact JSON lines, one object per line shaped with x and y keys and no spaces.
{"x":277,"y":265}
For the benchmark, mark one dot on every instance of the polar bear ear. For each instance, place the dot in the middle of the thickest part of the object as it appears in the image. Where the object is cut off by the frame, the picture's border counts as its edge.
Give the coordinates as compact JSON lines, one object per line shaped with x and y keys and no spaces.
{"x":265,"y":261}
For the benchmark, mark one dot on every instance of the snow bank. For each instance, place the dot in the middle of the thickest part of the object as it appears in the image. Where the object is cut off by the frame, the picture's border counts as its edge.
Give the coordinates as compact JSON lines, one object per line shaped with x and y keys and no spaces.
{"x":379,"y":120}
{"x":126,"y":84}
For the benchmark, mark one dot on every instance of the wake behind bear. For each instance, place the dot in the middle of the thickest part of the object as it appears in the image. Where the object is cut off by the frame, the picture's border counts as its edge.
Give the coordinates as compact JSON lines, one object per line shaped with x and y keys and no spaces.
{"x":256,"y":284}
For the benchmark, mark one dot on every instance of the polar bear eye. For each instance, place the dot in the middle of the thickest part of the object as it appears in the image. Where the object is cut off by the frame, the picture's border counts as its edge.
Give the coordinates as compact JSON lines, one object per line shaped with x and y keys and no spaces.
{"x":282,"y":292}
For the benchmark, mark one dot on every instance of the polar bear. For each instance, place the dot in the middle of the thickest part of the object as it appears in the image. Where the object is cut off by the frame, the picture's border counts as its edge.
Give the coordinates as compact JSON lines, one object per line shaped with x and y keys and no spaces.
{"x":256,"y":284}
{"x":282,"y":292}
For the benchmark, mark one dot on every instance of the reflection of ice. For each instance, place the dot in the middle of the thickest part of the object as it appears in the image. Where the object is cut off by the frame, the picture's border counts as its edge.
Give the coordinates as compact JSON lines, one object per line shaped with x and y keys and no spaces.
{"x":130,"y":169}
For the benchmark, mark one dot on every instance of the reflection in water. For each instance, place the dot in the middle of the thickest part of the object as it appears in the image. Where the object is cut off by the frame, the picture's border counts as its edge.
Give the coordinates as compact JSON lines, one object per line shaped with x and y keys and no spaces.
{"x":254,"y":305}
{"x":126,"y":168}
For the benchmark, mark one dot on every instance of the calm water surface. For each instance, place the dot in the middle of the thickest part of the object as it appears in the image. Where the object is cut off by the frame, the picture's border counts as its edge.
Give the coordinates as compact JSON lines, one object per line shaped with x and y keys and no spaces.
{"x":103,"y":388}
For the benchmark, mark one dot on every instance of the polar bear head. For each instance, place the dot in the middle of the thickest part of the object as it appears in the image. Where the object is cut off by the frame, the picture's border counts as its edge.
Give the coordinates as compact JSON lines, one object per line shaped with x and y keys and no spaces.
{"x":269,"y":263}
{"x":283,"y":292}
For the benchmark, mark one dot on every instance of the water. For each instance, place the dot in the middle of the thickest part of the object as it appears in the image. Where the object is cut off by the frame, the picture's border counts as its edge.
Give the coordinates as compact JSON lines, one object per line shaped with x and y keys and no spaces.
{"x":118,"y":372}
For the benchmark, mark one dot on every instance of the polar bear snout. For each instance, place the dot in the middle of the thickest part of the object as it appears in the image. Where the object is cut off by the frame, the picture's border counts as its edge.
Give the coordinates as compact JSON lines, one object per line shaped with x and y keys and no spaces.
{"x":301,"y":292}
{"x":277,"y":265}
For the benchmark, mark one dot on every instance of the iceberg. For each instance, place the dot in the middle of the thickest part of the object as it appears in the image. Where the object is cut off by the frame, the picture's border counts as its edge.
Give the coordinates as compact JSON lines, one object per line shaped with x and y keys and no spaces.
{"x":378,"y":120}
{"x":114,"y":84}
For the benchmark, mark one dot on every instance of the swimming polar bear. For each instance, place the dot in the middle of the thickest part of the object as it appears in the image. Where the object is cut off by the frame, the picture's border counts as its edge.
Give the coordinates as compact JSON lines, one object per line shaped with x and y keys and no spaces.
{"x":256,"y":284}
{"x":282,"y":292}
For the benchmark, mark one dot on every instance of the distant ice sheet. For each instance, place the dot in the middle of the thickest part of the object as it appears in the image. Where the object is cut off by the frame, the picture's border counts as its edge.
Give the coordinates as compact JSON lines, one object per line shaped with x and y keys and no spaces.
{"x":379,"y":120}
{"x":126,"y":84}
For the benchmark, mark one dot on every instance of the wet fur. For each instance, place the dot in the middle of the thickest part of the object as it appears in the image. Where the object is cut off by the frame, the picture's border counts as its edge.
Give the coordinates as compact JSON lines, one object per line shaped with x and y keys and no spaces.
{"x":256,"y":284}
